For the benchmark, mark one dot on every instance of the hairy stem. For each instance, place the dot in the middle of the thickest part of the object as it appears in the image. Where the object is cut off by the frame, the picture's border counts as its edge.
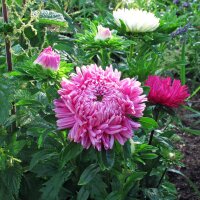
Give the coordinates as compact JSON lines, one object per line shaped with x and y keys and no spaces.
{"x":7,"y":41}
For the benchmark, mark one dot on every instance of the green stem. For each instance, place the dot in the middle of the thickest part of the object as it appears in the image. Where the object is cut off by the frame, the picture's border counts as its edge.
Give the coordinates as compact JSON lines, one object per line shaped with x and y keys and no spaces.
{"x":183,"y":62}
{"x":105,"y":57}
{"x":163,"y":174}
{"x":130,"y":53}
{"x":155,"y":116}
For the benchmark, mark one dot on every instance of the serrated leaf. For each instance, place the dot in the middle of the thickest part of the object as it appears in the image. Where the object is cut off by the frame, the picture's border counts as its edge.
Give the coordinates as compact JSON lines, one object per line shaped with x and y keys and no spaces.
{"x":51,"y":18}
{"x":11,"y":179}
{"x":41,"y":156}
{"x":71,"y":151}
{"x":88,"y":174}
{"x":131,"y":180}
{"x":53,"y":186}
{"x":4,"y":100}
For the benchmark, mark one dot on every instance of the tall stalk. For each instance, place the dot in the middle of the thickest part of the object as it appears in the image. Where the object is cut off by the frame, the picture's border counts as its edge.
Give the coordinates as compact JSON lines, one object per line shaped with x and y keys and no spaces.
{"x":183,"y":62}
{"x":8,"y":56}
{"x":155,"y":116}
{"x":7,"y":41}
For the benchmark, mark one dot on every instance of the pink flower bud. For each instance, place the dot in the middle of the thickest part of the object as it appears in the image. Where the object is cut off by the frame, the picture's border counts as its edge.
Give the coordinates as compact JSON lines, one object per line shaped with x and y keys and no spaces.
{"x":103,"y":33}
{"x":48,"y":59}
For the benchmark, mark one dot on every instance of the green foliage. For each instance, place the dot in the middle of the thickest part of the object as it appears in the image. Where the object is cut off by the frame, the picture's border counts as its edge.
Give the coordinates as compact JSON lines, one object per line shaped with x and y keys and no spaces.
{"x":49,"y":17}
{"x":5,"y":89}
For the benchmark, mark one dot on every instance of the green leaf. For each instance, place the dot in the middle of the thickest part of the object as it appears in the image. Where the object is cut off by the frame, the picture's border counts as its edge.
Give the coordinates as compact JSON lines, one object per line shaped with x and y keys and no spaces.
{"x":148,"y":156}
{"x":41,"y":156}
{"x":83,"y":194}
{"x":191,"y":131}
{"x":51,"y":18}
{"x":71,"y":151}
{"x":25,"y":102}
{"x":97,"y":188}
{"x":131,"y":180}
{"x":146,"y":90}
{"x":115,"y":195}
{"x":153,"y":193}
{"x":106,"y":159}
{"x":148,"y":123}
{"x":5,"y":91}
{"x":88,"y":174}
{"x":54,"y":184}
{"x":17,"y":146}
{"x":10,"y":179}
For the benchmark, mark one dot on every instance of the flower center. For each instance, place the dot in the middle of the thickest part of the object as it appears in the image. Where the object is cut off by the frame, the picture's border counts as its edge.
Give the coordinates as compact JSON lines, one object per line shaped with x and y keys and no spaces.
{"x":99,"y":97}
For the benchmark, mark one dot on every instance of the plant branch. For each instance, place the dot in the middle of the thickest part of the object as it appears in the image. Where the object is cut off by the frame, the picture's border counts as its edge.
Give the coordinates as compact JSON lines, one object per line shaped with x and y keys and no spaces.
{"x":155,"y":116}
{"x":7,"y":41}
{"x":163,"y":174}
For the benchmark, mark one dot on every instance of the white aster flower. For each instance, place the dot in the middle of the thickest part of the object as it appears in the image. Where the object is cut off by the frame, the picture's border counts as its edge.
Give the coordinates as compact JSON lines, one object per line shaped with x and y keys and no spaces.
{"x":136,"y":20}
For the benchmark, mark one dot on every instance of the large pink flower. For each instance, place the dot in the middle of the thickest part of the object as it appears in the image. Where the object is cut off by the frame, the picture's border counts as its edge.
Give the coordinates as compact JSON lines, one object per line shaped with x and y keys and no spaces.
{"x":166,"y":92}
{"x":97,"y":106}
{"x":48,"y":59}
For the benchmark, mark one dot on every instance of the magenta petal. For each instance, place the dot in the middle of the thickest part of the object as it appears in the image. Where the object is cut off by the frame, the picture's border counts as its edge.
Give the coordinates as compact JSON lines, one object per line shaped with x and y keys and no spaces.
{"x":48,"y":59}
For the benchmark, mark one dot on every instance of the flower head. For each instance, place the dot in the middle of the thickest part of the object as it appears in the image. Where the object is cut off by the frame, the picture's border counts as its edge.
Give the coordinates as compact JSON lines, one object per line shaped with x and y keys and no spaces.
{"x":136,"y":20}
{"x":176,"y":1}
{"x":103,"y":33}
{"x":186,"y":4}
{"x":181,"y":30}
{"x":166,"y":92}
{"x":97,"y":106}
{"x":48,"y":59}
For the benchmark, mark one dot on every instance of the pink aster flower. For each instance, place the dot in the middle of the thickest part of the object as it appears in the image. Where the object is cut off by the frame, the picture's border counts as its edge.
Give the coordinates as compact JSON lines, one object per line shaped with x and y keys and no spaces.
{"x":98,"y":106}
{"x":103,"y":33}
{"x":166,"y":92}
{"x":48,"y":59}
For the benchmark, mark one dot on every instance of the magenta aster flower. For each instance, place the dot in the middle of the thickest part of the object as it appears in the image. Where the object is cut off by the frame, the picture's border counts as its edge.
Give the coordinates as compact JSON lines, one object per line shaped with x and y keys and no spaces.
{"x":97,"y":106}
{"x":166,"y":92}
{"x":48,"y":59}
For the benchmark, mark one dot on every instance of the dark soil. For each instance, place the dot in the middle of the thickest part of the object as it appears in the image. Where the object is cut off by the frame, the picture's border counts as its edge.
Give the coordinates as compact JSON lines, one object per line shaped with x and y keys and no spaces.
{"x":190,"y":147}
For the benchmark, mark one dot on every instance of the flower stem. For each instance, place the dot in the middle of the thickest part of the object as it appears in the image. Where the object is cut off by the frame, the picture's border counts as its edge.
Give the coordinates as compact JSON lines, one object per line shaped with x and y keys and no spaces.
{"x":130,"y":53}
{"x":183,"y":62}
{"x":155,"y":116}
{"x":8,"y":57}
{"x":104,"y":58}
{"x":151,"y":137}
{"x":163,"y":174}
